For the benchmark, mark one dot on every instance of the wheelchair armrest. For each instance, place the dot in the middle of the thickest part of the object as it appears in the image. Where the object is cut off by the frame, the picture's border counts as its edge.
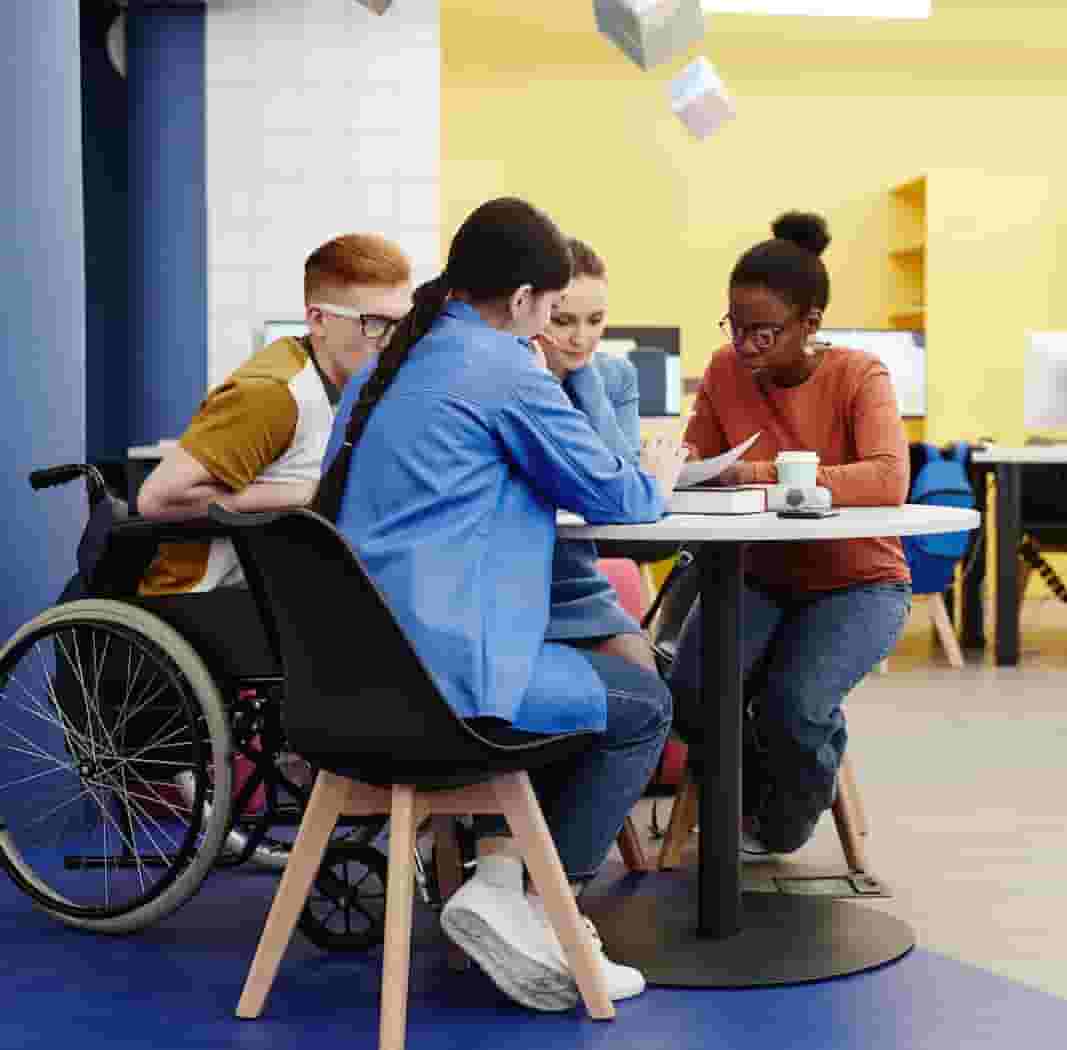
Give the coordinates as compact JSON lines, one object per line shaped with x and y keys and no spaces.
{"x":132,"y":543}
{"x":147,"y":530}
{"x":230,"y":519}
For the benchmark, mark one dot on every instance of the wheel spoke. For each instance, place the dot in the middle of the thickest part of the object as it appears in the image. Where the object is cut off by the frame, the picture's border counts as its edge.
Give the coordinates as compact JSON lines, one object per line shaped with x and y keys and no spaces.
{"x":76,"y":668}
{"x":134,"y":756}
{"x":143,"y":705}
{"x":158,"y":799}
{"x":69,"y":730}
{"x":62,"y":805}
{"x":160,"y":852}
{"x":32,"y":748}
{"x":32,"y":776}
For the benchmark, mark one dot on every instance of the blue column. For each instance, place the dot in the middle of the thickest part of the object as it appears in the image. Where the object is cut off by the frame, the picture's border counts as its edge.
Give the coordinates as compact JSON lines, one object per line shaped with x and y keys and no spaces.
{"x":105,"y":158}
{"x":42,"y":300}
{"x":168,"y":219}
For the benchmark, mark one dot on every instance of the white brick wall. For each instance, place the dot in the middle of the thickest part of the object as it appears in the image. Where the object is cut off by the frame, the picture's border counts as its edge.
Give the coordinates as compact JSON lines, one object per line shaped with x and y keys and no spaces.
{"x":322,"y":118}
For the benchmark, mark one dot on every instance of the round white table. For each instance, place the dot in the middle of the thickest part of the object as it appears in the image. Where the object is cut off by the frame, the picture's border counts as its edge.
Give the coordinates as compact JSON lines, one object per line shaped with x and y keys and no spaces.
{"x":703,"y":931}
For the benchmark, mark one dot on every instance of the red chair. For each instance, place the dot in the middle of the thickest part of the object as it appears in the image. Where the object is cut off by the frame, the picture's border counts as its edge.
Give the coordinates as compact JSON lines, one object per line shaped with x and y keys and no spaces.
{"x":628,"y":579}
{"x":624,"y":575}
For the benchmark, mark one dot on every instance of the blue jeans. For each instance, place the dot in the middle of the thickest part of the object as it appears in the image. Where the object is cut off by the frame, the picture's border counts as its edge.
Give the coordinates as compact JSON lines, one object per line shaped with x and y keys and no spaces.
{"x":587,"y":798}
{"x":801,"y":656}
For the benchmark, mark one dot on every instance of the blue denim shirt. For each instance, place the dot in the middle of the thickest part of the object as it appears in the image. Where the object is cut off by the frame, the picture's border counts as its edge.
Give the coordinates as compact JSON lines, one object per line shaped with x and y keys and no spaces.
{"x":584,"y":604}
{"x":451,"y":504}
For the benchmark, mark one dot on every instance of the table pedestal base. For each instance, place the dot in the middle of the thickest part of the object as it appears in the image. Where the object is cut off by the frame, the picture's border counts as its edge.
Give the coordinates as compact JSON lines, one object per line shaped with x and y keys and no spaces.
{"x":785,"y":939}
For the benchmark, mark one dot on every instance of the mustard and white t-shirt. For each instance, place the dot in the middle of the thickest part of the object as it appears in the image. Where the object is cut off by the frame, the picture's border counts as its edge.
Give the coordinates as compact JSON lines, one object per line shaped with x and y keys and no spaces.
{"x":268,"y":422}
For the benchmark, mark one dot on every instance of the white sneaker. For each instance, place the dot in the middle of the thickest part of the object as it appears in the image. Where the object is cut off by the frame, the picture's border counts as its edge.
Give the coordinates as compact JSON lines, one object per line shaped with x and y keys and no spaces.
{"x":624,"y":982}
{"x":498,"y":929}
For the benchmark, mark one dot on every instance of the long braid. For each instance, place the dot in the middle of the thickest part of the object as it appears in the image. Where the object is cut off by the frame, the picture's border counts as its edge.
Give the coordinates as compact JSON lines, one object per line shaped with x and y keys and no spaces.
{"x":428,"y":301}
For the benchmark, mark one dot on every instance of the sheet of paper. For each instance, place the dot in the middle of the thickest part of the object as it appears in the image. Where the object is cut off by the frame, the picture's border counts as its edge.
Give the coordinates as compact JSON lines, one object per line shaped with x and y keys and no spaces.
{"x":702,"y":471}
{"x":616,"y":347}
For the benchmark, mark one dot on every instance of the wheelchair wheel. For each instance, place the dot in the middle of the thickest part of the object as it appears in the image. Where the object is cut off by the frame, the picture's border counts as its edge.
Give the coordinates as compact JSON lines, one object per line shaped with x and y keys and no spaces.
{"x":345,"y":910}
{"x":103,"y":707}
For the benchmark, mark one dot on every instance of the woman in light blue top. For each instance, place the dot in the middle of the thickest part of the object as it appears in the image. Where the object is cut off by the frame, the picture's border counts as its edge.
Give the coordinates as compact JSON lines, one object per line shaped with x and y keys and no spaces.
{"x":461,"y":448}
{"x":585,"y":609}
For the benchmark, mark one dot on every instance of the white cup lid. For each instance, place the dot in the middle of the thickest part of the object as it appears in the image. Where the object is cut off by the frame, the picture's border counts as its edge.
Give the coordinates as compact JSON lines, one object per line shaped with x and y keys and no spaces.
{"x":797,"y":457}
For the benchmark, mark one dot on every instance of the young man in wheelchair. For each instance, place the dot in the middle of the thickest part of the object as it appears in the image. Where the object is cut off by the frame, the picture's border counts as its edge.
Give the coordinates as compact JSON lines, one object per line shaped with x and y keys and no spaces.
{"x":257,"y":441}
{"x":121,"y":713}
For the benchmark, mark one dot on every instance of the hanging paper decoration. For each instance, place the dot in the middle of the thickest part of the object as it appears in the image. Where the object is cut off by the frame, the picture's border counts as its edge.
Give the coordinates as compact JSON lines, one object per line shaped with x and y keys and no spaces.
{"x":650,"y":31}
{"x":699,"y":98}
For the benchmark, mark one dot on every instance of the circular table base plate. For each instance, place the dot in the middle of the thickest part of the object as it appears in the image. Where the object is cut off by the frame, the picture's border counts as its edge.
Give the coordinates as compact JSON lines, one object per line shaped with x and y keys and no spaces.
{"x":786,"y":939}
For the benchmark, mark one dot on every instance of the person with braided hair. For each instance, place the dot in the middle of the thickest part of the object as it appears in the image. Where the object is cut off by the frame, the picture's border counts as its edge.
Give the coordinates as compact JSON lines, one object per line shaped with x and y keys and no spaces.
{"x":818,"y":616}
{"x":445,"y":472}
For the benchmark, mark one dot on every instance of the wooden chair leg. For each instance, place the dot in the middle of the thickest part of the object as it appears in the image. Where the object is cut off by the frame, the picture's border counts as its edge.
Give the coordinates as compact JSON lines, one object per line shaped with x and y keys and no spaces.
{"x":847,"y":773}
{"x":399,"y":902}
{"x":629,"y":843}
{"x":449,"y":864}
{"x":1026,"y":572}
{"x":531,"y":833}
{"x":945,"y":632}
{"x":845,"y":818}
{"x":648,"y":587}
{"x":683,"y":820}
{"x":320,"y":818}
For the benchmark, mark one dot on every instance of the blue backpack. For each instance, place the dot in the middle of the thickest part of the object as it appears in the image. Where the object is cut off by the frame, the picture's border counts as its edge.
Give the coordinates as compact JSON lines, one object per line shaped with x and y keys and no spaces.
{"x":938,"y":477}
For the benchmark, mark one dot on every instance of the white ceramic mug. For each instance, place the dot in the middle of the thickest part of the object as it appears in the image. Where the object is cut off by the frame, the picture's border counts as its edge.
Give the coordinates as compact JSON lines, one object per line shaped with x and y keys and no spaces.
{"x":798,"y":469}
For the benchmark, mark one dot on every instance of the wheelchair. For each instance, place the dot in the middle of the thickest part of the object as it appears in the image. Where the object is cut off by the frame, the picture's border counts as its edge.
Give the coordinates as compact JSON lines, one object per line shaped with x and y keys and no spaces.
{"x":122,"y":719}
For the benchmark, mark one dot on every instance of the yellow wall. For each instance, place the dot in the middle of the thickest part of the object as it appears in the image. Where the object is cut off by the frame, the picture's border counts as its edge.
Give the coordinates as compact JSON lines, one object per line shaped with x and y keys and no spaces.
{"x":831,"y":114}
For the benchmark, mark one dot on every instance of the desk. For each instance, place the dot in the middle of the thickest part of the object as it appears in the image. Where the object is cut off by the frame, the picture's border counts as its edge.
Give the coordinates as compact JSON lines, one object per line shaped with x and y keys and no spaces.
{"x":710,"y":934}
{"x":1006,"y":464}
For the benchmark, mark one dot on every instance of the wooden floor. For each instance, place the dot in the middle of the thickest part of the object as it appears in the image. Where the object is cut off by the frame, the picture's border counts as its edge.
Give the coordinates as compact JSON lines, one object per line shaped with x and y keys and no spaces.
{"x":964,"y":776}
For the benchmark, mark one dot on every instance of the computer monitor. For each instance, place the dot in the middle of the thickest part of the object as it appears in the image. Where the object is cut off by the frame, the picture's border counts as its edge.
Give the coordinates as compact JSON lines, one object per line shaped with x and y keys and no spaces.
{"x":278,"y":329}
{"x":902,"y":351}
{"x":1045,"y":380}
{"x":656,"y":354}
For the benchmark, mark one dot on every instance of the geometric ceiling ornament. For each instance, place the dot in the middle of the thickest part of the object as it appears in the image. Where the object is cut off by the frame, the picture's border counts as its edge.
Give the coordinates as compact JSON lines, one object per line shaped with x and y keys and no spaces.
{"x":650,"y":31}
{"x":699,"y":99}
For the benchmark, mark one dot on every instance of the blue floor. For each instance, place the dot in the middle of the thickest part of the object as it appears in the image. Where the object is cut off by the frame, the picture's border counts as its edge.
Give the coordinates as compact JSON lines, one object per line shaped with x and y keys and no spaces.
{"x":176,"y":986}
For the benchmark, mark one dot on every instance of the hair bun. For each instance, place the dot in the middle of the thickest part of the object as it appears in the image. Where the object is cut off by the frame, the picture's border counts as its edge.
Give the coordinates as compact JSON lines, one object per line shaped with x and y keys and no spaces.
{"x":804,"y":229}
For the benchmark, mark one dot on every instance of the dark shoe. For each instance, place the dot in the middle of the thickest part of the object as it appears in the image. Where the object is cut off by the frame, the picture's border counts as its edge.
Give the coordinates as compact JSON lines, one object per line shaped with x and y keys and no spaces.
{"x":784,"y":834}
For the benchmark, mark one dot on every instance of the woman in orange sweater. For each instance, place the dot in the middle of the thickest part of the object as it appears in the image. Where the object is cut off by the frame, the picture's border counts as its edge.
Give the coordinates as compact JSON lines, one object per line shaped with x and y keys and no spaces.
{"x":817,"y":616}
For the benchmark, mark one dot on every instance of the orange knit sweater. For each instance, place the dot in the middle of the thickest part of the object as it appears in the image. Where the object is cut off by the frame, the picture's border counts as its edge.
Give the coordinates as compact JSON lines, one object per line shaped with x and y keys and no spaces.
{"x":847,"y":412}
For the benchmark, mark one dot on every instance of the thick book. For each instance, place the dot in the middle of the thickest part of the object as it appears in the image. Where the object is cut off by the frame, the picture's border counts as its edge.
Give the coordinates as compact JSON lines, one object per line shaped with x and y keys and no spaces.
{"x":735,"y":499}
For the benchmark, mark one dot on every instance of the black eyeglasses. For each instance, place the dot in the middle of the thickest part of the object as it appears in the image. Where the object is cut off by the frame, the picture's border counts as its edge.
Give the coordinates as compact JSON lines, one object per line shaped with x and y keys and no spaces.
{"x":764,"y":335}
{"x":373,"y":326}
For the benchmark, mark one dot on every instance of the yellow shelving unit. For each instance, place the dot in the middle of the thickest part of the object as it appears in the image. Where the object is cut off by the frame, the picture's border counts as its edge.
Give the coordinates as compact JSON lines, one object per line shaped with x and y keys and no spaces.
{"x":907,"y":254}
{"x":909,"y":317}
{"x":907,"y":266}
